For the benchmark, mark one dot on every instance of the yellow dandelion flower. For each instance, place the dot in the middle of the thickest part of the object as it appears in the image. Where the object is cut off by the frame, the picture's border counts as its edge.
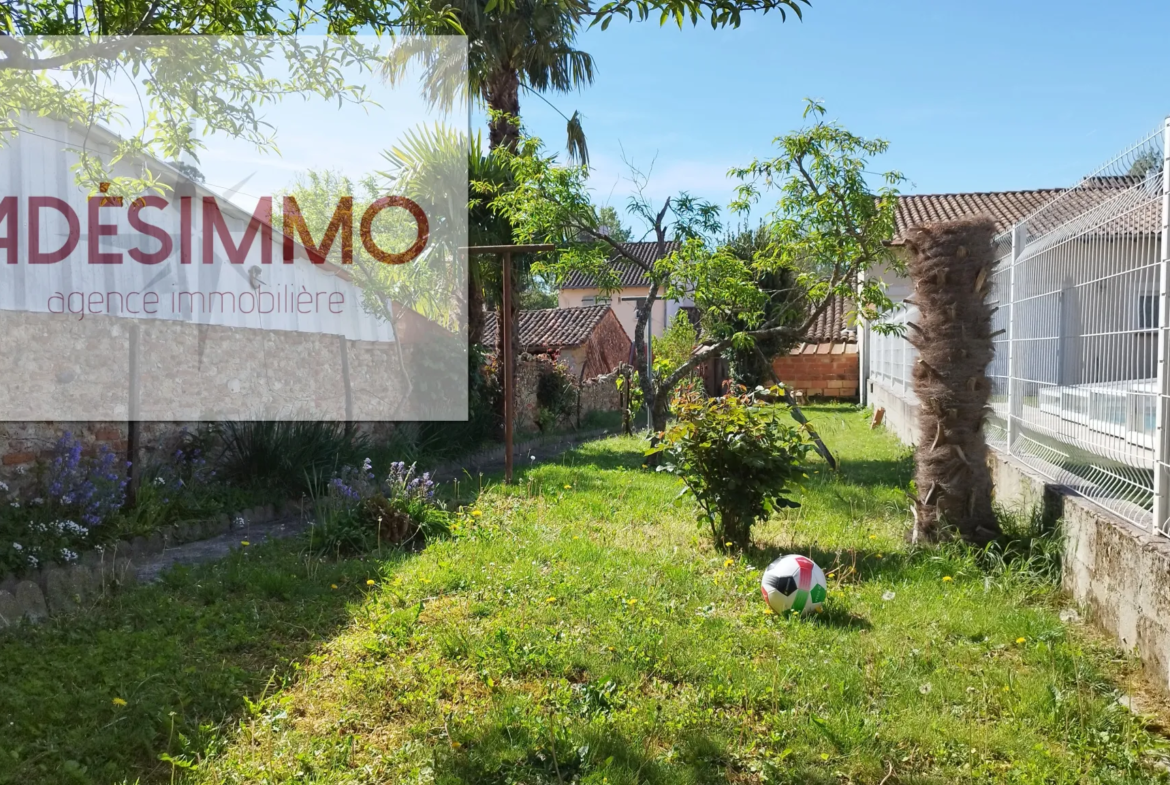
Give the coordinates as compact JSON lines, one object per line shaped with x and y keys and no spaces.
{"x":370,"y":582}
{"x":476,"y":513}
{"x":728,"y":562}
{"x":551,"y":599}
{"x":632,"y":601}
{"x":333,"y":586}
{"x":831,"y":575}
{"x":767,"y":611}
{"x":873,"y":536}
{"x":245,"y":543}
{"x":727,"y":545}
{"x":455,"y":745}
{"x":1020,"y":640}
{"x":567,"y":487}
{"x":119,"y":702}
{"x":947,"y":579}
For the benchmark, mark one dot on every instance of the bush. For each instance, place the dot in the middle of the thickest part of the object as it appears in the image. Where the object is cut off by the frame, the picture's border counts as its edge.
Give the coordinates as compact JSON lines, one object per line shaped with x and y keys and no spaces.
{"x":556,"y":396}
{"x":736,"y":457}
{"x":357,"y":512}
{"x":293,"y":457}
{"x":75,"y":496}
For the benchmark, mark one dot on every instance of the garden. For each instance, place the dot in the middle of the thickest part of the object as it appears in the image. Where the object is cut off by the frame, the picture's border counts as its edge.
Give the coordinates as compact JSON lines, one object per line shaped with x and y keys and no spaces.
{"x":581,"y":626}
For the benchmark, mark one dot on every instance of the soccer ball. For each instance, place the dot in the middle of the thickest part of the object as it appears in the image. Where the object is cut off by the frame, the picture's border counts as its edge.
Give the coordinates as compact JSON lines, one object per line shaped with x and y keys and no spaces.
{"x":794,"y":583}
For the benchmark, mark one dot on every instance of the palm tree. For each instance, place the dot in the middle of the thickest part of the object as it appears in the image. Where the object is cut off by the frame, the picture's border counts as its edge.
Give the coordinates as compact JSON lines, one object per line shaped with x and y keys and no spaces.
{"x":521,"y":45}
{"x":430,"y":165}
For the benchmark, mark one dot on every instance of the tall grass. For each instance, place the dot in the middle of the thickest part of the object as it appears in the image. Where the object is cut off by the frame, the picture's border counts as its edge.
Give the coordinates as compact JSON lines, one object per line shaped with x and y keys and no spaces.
{"x":295,"y":457}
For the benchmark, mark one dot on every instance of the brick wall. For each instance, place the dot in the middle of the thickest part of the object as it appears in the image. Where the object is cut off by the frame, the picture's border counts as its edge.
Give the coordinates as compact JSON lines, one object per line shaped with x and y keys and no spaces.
{"x":821,"y":374}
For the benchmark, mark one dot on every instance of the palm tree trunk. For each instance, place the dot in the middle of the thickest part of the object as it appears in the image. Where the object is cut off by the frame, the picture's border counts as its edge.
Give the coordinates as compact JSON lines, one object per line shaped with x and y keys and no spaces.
{"x":951,"y":265}
{"x":503,"y":99}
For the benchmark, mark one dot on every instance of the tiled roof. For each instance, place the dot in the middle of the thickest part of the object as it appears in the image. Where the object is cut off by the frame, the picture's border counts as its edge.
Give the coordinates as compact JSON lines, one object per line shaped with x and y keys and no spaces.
{"x":833,"y":325}
{"x":550,"y":328}
{"x":1103,"y":204}
{"x":630,"y":274}
{"x":1004,"y":207}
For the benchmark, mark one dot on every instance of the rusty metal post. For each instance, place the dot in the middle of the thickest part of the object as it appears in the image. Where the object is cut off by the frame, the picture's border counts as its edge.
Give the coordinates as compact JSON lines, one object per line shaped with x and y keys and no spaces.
{"x":506,"y":327}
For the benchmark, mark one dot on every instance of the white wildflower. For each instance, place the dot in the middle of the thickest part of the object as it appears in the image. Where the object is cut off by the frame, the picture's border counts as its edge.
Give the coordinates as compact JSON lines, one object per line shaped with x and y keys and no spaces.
{"x":21,"y":470}
{"x":68,"y":556}
{"x":37,"y":502}
{"x":32,"y":561}
{"x":15,"y":505}
{"x":3,"y":487}
{"x":18,"y":546}
{"x":888,"y":596}
{"x":159,"y":481}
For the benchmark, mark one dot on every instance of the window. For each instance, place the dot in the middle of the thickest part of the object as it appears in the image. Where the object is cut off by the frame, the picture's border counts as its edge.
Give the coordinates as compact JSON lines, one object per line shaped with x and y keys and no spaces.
{"x":599,"y":300}
{"x":1148,"y":312}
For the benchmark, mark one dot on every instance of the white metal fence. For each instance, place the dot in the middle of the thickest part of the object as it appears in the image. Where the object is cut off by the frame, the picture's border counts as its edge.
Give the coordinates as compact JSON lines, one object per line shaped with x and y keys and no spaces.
{"x":1080,"y":384}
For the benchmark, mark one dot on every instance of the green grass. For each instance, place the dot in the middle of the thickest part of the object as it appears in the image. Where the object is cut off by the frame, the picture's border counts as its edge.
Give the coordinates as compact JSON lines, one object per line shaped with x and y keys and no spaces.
{"x":588,"y":634}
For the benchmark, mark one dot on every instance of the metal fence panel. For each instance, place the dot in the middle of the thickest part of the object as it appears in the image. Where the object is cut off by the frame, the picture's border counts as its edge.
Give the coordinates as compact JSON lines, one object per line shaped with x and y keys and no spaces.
{"x":1078,"y":389}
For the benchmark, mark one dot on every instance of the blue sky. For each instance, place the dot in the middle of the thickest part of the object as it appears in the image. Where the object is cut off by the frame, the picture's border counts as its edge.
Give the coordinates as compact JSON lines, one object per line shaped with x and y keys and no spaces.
{"x":972,"y":96}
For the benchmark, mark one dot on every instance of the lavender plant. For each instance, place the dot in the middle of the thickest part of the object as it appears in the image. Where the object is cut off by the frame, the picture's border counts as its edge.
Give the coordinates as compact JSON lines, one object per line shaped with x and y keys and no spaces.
{"x":358,"y":511}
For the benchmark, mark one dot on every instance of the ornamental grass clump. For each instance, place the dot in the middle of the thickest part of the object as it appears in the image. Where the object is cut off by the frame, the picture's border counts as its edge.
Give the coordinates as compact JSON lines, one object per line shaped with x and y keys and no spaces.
{"x":737,"y":455}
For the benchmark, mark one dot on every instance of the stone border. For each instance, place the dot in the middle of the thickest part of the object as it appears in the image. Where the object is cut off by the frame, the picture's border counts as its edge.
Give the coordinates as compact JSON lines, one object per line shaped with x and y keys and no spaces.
{"x":62,"y":590}
{"x":59,"y":590}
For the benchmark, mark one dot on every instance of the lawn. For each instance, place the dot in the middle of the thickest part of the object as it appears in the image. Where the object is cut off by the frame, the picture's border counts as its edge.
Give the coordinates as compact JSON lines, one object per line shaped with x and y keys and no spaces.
{"x":581,"y":629}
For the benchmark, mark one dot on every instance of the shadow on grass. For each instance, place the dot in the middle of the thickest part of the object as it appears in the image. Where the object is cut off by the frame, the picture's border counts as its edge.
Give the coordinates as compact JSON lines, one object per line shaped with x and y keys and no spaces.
{"x":502,"y":752}
{"x":98,"y":697}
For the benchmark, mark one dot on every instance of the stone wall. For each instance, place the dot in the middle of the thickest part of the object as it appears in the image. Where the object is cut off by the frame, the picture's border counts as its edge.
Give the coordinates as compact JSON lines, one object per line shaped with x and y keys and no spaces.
{"x":1116,"y":571}
{"x":597,"y":394}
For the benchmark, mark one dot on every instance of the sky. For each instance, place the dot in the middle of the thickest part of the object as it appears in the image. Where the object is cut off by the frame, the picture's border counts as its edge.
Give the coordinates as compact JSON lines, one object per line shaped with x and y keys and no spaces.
{"x":972,"y":96}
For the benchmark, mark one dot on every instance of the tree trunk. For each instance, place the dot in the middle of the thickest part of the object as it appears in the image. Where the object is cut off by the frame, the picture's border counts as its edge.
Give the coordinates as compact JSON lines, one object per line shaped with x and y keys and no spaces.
{"x":733,"y":534}
{"x":474,"y":306}
{"x":503,"y":97}
{"x":951,"y":266}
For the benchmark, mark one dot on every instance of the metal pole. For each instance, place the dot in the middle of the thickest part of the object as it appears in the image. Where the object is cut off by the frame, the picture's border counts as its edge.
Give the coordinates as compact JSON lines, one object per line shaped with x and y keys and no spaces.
{"x":1015,"y":405}
{"x":133,"y":427}
{"x":1162,"y":390}
{"x":507,"y":326}
{"x":649,"y":366}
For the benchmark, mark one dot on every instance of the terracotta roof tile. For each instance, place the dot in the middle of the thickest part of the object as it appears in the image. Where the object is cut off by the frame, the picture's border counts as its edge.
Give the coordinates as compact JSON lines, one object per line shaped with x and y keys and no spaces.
{"x":1004,"y":207}
{"x":834,"y":325}
{"x":630,"y":274}
{"x":551,"y":328}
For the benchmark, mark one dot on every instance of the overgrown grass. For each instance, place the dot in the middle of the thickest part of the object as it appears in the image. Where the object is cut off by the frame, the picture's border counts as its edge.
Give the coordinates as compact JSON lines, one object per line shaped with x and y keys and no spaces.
{"x":581,"y":629}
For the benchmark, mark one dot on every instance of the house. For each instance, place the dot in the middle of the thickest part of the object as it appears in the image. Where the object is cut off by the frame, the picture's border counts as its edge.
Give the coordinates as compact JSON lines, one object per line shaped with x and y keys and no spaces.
{"x":826,"y":363}
{"x":588,"y":339}
{"x":579,"y":290}
{"x":1076,"y":288}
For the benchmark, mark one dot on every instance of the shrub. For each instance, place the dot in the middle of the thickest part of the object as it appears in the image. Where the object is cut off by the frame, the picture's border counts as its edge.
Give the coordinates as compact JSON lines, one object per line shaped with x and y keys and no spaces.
{"x":736,"y":455}
{"x":75,"y":496}
{"x":357,"y":512}
{"x":556,"y":395}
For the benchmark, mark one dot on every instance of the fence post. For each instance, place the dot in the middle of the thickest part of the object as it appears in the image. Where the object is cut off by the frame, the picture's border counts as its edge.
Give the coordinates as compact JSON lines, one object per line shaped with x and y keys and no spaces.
{"x":1019,"y":240}
{"x":1162,"y":411}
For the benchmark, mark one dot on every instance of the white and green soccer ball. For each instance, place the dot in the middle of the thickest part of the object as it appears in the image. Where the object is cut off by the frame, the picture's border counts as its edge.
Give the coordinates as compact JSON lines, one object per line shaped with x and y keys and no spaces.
{"x":794,"y":583}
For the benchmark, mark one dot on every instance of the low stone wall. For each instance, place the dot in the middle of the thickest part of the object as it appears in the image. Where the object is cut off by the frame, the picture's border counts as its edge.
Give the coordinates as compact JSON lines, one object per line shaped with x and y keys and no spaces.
{"x":61,"y":590}
{"x":1118,"y":572}
{"x":827,"y":374}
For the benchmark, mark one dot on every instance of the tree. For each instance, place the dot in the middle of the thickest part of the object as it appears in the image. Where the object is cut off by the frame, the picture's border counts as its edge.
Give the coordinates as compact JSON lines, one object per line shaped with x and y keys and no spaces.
{"x":828,"y":227}
{"x":951,"y":266}
{"x":608,"y":221}
{"x":524,"y":44}
{"x":751,"y":364}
